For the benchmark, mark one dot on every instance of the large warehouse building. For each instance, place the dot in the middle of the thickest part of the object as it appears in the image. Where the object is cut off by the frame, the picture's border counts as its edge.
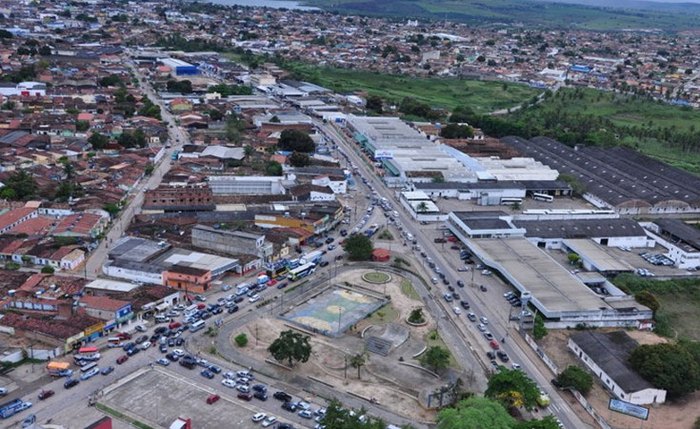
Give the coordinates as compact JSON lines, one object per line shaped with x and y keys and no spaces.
{"x":618,"y":178}
{"x":179,"y":67}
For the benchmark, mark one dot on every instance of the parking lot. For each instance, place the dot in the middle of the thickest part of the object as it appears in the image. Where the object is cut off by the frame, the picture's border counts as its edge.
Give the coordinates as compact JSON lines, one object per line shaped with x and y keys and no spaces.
{"x":158,"y":397}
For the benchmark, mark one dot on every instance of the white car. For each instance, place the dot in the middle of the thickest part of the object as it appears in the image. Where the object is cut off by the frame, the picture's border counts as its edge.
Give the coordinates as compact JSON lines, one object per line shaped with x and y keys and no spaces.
{"x":144,"y":345}
{"x":254,"y":298}
{"x":457,"y":310}
{"x":93,"y":372}
{"x":484,"y":320}
{"x":481,"y":327}
{"x":178,"y":352}
{"x":228,"y":383}
{"x":258,"y":417}
{"x":243,"y":388}
{"x":269,"y":421}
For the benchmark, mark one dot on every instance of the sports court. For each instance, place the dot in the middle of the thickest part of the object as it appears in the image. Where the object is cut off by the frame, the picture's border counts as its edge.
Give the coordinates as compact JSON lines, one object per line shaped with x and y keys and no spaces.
{"x":333,"y":311}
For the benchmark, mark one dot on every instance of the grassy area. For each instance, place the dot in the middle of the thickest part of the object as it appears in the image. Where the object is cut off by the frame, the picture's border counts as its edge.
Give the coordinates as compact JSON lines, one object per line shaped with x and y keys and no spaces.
{"x":641,"y":123}
{"x":116,"y":414}
{"x":385,"y":314}
{"x":408,"y":290}
{"x":527,"y":12}
{"x":433,"y":339}
{"x":376,"y":277}
{"x":438,"y":92}
{"x":679,"y":301}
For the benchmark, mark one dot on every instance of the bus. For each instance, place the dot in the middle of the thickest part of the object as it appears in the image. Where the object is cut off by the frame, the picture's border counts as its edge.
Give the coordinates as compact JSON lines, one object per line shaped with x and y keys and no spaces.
{"x":114,"y":342}
{"x":196,"y":326}
{"x":192,"y":309}
{"x":302,"y":271}
{"x":542,"y":197}
{"x":58,"y":368}
{"x":87,"y":367}
{"x":88,"y":353}
{"x":277,"y":272}
{"x":511,"y":201}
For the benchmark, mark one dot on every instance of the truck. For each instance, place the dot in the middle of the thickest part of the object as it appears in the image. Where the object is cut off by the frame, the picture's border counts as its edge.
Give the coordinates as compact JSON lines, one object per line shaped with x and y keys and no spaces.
{"x":372,"y":230}
{"x":58,"y":369}
{"x":242,"y":289}
{"x":311,"y":257}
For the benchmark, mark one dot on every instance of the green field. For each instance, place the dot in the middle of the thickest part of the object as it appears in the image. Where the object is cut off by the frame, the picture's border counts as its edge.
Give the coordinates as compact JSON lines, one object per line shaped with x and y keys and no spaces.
{"x":657,"y":129}
{"x":679,"y":301}
{"x":446,"y":93}
{"x":528,"y":12}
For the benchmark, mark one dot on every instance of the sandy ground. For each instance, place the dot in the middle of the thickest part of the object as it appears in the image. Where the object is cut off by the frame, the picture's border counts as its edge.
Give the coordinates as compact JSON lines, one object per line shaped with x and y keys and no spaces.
{"x":380,"y":378}
{"x":678,"y":415}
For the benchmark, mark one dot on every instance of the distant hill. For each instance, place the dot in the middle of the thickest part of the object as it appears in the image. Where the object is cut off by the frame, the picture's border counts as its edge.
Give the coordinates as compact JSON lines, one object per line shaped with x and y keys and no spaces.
{"x":582,"y":14}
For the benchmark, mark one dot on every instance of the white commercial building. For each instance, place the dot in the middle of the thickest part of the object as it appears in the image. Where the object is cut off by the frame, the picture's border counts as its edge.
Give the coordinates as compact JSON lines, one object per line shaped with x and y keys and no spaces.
{"x":606,"y":355}
{"x":247,"y":185}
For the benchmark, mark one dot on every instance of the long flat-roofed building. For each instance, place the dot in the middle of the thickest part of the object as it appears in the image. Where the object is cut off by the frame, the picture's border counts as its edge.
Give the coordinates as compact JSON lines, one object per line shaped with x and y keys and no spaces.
{"x":557,"y":293}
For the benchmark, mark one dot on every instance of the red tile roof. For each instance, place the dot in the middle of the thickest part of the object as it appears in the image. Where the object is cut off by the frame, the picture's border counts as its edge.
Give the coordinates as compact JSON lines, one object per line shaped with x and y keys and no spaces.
{"x":79,"y":224}
{"x":14,"y":215}
{"x":35,"y":226}
{"x":102,"y":303}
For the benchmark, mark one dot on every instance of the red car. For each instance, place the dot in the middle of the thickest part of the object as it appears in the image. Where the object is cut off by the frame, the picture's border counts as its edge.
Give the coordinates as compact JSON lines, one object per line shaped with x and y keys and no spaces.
{"x":212,"y":398}
{"x":245,"y":396}
{"x":201,"y":306}
{"x":122,"y":359}
{"x":272,"y":282}
{"x":494,"y":344}
{"x":44,"y":394}
{"x":174,"y":325}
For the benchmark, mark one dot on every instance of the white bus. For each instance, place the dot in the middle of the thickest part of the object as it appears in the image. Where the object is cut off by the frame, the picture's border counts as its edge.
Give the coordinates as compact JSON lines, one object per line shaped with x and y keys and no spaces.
{"x":196,"y":326}
{"x":542,"y":197}
{"x":511,"y":201}
{"x":192,"y":309}
{"x":302,"y":271}
{"x":88,"y":367}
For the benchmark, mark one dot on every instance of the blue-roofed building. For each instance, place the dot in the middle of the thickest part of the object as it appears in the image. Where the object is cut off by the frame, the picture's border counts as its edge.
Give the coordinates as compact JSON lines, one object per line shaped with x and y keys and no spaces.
{"x":179,"y":67}
{"x":579,"y":68}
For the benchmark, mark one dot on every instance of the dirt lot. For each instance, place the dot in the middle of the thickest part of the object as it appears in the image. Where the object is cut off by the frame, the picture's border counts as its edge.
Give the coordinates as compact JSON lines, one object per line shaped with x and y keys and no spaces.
{"x":679,"y":415}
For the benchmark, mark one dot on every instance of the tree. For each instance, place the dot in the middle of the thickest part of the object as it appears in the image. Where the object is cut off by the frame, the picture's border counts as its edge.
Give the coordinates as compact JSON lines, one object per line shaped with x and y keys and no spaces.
{"x":216,"y":115}
{"x":298,"y":159}
{"x":358,"y":247}
{"x":291,"y":346}
{"x":375,"y":104}
{"x":416,"y":316}
{"x":667,"y":366}
{"x":111,"y":80}
{"x":647,"y":298}
{"x":513,"y":389}
{"x":225,"y":90}
{"x":337,"y":417}
{"x":435,"y":358}
{"x":47,"y":269}
{"x":181,"y":86}
{"x":358,"y":361}
{"x":234,"y":126}
{"x":82,"y":126}
{"x":19,"y":186}
{"x":577,"y":378}
{"x":148,"y":170}
{"x":275,"y":120}
{"x":274,"y":168}
{"x":241,"y":340}
{"x":454,"y":131}
{"x":98,"y":141}
{"x":422,"y":207}
{"x":475,"y":413}
{"x":296,"y":141}
{"x":539,"y":331}
{"x":111,"y":208}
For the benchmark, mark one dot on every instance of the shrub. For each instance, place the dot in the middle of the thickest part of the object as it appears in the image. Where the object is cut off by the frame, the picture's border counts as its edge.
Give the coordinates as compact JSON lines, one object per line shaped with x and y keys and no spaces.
{"x":241,"y":340}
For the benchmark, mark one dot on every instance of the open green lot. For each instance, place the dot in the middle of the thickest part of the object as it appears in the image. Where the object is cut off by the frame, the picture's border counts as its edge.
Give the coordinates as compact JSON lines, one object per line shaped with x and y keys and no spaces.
{"x":657,"y":129}
{"x":679,"y":301}
{"x":448,"y":93}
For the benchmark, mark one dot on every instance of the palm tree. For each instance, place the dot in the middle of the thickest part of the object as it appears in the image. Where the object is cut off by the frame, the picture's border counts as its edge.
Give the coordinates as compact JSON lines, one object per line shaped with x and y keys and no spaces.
{"x":358,"y":361}
{"x":422,"y":207}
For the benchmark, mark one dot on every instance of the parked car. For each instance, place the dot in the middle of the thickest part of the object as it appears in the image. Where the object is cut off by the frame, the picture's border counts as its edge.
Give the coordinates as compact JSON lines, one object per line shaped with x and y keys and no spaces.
{"x":282,"y":396}
{"x":269,"y":421}
{"x":71,"y":382}
{"x":260,"y":395}
{"x":163,"y":362}
{"x":45,"y":394}
{"x":289,"y":406}
{"x":245,"y":396}
{"x":213,"y":398}
{"x":258,"y":417}
{"x":122,"y":359}
{"x":107,"y":370}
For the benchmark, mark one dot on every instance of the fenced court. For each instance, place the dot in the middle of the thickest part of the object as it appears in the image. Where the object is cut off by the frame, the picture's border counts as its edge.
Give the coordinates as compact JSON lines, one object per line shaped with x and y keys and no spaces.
{"x":333,"y":311}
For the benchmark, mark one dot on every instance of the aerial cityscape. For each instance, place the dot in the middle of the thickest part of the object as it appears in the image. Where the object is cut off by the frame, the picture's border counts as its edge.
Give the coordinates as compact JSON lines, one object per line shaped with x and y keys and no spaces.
{"x":442,"y":214}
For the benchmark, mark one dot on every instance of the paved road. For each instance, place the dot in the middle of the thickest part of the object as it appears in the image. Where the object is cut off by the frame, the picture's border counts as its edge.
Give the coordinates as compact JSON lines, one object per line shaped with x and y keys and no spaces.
{"x":178,"y":137}
{"x":463,"y":345}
